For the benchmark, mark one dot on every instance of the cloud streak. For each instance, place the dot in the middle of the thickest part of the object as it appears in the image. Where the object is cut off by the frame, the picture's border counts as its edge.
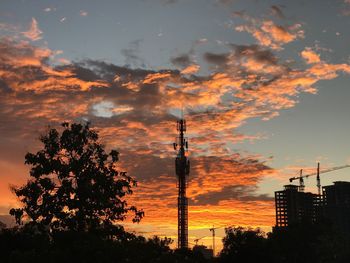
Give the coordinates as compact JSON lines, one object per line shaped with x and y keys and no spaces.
{"x":34,"y":33}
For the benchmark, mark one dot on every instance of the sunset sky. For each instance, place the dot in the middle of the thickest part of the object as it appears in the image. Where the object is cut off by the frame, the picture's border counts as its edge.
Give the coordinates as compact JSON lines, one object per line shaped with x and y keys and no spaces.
{"x":264,"y":87}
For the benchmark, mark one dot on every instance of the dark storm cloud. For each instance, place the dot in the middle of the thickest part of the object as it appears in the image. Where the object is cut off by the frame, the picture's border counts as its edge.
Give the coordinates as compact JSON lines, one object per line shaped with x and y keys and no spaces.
{"x":217,"y":59}
{"x":234,"y":192}
{"x":146,"y":167}
{"x":182,"y":60}
{"x":247,"y":58}
{"x":81,"y":72}
{"x":255,"y":51}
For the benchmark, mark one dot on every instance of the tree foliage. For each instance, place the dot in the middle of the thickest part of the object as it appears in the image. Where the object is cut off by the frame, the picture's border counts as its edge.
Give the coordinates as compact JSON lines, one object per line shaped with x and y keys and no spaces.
{"x":311,"y":243}
{"x":244,"y":245}
{"x":22,"y":244}
{"x":74,"y":184}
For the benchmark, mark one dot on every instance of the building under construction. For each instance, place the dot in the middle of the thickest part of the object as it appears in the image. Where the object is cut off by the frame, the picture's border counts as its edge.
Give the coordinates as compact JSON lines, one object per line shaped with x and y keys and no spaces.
{"x":182,"y":168}
{"x":294,"y":206}
{"x":336,"y":200}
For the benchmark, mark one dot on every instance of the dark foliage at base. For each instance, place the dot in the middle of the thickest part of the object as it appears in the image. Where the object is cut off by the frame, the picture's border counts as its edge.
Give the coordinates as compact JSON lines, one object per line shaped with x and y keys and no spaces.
{"x":29,"y":245}
{"x":302,"y":243}
{"x":311,"y":243}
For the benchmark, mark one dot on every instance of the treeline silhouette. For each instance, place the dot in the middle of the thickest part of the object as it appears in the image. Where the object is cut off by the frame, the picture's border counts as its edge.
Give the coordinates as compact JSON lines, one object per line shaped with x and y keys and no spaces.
{"x":75,"y":198}
{"x":302,"y":243}
{"x":30,"y":245}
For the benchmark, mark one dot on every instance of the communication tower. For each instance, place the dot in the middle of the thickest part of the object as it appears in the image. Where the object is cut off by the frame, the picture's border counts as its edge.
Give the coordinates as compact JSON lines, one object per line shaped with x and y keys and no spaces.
{"x":182,"y":168}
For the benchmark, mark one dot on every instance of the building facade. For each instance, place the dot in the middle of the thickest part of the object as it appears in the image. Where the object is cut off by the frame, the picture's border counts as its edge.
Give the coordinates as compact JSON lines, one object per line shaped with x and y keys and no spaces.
{"x":333,"y":206}
{"x":293,"y":206}
{"x":337,"y":205}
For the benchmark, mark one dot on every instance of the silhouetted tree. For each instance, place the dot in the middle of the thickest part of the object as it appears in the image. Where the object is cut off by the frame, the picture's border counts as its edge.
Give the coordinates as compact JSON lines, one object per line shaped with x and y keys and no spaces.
{"x":22,"y":244}
{"x":74,"y":184}
{"x":306,"y":242}
{"x":244,"y":245}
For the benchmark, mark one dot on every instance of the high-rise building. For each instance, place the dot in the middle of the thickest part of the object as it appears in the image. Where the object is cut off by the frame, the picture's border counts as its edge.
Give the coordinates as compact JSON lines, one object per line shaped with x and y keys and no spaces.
{"x":294,"y":206}
{"x":337,"y":205}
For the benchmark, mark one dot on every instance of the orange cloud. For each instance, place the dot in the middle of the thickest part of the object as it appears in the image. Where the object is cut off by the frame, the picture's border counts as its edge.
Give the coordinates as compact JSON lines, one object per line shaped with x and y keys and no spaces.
{"x":310,"y":56}
{"x":34,"y":33}
{"x":191,"y":69}
{"x":154,"y":77}
{"x":267,"y":33}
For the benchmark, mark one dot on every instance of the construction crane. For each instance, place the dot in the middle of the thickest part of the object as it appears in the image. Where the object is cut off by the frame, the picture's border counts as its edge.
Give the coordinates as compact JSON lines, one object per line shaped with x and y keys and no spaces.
{"x":301,"y":181}
{"x":197,"y":239}
{"x":213,"y":231}
{"x":318,"y":172}
{"x":213,"y":234}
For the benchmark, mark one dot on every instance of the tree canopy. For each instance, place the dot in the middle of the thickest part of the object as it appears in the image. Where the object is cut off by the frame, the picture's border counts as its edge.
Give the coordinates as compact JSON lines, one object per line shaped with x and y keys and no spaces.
{"x":244,"y":245}
{"x":74,"y":184}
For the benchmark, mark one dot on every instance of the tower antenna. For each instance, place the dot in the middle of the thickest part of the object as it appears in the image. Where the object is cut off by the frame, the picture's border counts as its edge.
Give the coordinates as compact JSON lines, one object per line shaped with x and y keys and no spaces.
{"x":182,"y":168}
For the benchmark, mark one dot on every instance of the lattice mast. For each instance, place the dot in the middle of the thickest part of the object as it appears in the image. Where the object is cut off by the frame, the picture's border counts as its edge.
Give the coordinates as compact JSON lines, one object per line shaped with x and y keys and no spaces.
{"x":182,"y":167}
